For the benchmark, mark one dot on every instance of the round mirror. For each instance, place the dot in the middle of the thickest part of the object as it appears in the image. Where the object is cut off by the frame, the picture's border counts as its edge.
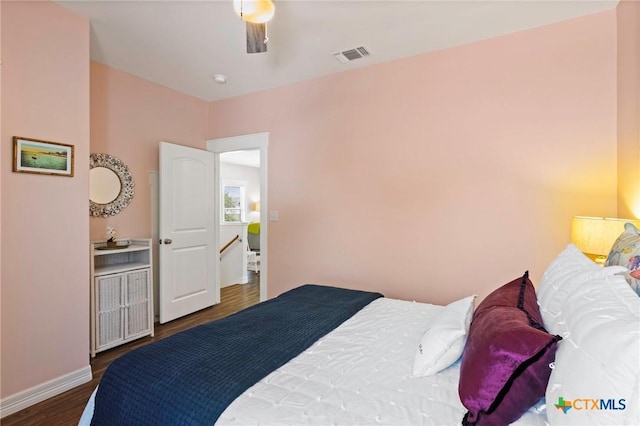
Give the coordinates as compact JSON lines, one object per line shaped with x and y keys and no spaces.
{"x":104,"y":185}
{"x":111,"y":185}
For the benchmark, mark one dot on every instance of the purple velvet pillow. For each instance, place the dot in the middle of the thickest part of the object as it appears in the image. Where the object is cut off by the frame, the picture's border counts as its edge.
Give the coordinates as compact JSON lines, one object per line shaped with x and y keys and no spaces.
{"x":505,"y":364}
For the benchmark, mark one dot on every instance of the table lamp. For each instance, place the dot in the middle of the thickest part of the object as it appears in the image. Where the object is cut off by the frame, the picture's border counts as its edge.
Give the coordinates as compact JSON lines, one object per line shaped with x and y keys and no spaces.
{"x":594,"y":236}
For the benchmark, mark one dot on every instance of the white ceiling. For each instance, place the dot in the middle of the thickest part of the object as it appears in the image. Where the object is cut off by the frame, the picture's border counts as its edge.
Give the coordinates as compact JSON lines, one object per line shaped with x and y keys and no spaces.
{"x":182,"y":44}
{"x":242,"y":158}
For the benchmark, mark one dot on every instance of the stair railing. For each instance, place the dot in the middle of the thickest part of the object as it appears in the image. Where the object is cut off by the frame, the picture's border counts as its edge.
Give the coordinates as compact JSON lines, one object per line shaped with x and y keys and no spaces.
{"x":233,"y":240}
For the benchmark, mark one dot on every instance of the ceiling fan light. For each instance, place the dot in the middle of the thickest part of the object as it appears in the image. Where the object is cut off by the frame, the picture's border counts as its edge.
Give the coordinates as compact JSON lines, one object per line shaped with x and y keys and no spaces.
{"x":254,"y":11}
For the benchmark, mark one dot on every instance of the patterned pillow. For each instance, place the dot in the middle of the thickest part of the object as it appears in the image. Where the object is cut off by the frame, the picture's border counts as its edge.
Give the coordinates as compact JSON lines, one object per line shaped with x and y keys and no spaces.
{"x":626,"y":252}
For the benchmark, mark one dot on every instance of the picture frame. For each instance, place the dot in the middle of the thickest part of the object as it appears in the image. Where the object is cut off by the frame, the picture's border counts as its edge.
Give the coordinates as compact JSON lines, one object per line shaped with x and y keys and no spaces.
{"x":42,"y":157}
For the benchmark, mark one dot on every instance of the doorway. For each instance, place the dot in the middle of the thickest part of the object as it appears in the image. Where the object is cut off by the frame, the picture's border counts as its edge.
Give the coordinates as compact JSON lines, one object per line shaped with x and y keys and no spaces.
{"x":239,"y":228}
{"x":253,"y":142}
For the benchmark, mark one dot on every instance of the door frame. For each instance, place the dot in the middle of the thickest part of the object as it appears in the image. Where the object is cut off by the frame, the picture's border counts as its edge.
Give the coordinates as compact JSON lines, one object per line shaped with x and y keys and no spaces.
{"x":259,"y":141}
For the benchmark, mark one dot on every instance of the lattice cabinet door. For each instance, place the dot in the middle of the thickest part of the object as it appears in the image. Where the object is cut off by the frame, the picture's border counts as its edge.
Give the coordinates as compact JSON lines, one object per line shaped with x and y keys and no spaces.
{"x":110,"y":316}
{"x":138,"y":310}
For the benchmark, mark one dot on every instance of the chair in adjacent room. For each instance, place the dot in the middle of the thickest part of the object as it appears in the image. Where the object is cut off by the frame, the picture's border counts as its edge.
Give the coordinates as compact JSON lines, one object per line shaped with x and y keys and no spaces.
{"x":253,"y":247}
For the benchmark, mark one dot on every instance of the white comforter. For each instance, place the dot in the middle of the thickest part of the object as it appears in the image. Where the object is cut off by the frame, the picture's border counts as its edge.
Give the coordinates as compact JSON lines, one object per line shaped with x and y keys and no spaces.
{"x":359,"y":374}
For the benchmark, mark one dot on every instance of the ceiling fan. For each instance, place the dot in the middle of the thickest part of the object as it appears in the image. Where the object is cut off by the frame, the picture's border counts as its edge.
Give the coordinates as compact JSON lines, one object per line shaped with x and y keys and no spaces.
{"x":256,"y":14}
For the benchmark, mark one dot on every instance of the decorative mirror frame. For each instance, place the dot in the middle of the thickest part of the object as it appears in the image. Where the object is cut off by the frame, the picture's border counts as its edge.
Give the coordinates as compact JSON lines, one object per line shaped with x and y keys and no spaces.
{"x":126,"y":185}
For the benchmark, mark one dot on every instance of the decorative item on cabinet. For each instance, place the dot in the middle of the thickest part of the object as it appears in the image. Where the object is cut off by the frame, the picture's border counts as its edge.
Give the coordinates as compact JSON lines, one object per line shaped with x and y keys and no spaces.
{"x":121,"y":293}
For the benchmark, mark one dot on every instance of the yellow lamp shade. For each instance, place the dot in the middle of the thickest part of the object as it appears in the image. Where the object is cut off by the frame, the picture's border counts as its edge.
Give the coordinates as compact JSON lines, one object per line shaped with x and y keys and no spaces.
{"x":596,"y":235}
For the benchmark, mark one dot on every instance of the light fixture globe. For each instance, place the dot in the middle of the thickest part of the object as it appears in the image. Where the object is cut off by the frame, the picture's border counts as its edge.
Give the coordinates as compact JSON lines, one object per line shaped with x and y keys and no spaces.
{"x":254,"y":11}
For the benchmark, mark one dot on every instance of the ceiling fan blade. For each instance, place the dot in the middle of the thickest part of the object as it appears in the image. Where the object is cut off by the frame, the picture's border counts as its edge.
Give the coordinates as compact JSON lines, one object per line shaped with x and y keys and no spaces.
{"x":256,"y":37}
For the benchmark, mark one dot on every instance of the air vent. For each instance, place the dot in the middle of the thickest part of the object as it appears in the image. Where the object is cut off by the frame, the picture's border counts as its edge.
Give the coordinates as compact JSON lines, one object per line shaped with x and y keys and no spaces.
{"x":351,"y":54}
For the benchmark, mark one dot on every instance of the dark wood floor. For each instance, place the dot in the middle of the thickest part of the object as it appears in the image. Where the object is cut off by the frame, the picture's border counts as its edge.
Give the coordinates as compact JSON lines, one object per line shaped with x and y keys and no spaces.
{"x":66,"y":408}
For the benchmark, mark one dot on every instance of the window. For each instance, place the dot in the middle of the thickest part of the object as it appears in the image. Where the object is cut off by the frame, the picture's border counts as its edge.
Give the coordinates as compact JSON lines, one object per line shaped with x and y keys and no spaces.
{"x":233,"y":202}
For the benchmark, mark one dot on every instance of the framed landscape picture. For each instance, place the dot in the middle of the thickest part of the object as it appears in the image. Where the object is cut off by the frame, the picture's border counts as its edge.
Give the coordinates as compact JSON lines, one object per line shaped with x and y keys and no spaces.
{"x":37,"y":156}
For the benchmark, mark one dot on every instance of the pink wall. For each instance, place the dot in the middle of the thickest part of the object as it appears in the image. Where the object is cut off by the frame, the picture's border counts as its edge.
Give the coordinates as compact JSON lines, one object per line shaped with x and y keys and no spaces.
{"x":129,"y":117}
{"x":629,"y":109}
{"x":440,"y":175}
{"x":45,"y":226}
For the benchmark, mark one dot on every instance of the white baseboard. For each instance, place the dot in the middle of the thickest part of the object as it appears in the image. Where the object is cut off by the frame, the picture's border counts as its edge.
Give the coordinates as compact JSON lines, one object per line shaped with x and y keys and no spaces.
{"x":46,"y":390}
{"x":243,"y":279}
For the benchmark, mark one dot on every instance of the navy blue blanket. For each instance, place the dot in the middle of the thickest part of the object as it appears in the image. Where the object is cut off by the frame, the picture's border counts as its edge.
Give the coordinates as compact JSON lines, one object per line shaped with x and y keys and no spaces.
{"x":191,"y":377}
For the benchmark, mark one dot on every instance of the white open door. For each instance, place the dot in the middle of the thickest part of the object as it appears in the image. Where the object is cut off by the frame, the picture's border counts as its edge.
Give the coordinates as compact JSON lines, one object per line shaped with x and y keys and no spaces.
{"x":188,"y":280}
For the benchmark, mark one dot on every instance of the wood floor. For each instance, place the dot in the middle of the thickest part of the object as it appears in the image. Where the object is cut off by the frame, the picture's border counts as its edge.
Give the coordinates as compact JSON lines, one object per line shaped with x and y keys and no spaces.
{"x":66,"y":408}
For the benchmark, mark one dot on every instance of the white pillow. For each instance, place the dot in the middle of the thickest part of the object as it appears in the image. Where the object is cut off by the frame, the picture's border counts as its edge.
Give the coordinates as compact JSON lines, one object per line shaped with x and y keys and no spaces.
{"x":443,"y":342}
{"x":567,"y":273}
{"x":598,"y":361}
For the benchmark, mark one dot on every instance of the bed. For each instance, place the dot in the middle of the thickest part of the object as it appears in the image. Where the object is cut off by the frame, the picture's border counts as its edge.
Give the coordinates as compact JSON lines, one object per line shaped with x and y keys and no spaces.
{"x":380,"y":361}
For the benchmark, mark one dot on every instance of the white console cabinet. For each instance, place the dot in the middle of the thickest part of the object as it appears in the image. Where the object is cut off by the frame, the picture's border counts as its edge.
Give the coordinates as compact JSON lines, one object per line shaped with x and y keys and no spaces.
{"x":121,"y":293}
